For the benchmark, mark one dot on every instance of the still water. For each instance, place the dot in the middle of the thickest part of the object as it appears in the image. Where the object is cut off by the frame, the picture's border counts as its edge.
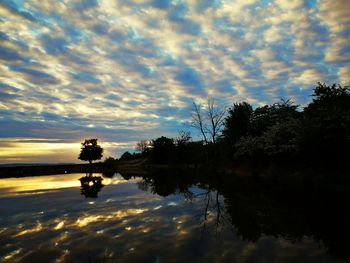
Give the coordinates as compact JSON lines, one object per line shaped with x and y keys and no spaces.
{"x":153,"y":219}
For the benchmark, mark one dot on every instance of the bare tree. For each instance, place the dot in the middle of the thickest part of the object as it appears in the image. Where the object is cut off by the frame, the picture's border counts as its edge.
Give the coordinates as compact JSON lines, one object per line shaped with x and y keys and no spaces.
{"x":142,"y":146}
{"x":184,"y":137}
{"x":216,"y":117}
{"x":197,"y":120}
{"x":208,"y":121}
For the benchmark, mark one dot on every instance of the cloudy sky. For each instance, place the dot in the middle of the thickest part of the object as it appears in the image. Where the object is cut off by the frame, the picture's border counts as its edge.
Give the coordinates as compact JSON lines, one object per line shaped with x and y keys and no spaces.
{"x":126,"y":70}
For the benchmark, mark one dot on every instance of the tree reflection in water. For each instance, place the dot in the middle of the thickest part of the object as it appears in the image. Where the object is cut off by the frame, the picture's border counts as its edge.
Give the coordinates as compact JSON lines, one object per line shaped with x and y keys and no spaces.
{"x":91,"y":185}
{"x":255,"y":208}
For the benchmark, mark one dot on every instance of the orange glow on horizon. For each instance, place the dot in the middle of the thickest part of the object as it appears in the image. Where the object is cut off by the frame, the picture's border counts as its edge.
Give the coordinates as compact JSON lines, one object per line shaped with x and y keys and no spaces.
{"x":31,"y":185}
{"x":42,"y":150}
{"x":34,"y":150}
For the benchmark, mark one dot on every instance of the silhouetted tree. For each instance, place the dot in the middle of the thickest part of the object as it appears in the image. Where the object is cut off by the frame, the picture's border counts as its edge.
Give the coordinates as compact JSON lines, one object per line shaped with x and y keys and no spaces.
{"x":272,"y":130}
{"x":183,"y":147}
{"x":109,"y":162}
{"x":267,"y":133}
{"x":126,"y":156}
{"x":281,"y":138}
{"x":184,"y":138}
{"x":264,"y":117}
{"x":210,"y":122}
{"x":90,"y":151}
{"x":237,"y":123}
{"x":331,"y":93}
{"x":142,"y":146}
{"x":329,"y":100}
{"x":326,"y":124}
{"x":249,"y":147}
{"x":198,"y":121}
{"x":216,"y":118}
{"x":163,"y":150}
{"x":91,"y":185}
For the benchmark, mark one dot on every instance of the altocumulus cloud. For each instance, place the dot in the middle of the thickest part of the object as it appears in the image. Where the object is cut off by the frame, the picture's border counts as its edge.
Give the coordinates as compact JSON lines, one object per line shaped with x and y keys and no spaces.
{"x":127,"y":70}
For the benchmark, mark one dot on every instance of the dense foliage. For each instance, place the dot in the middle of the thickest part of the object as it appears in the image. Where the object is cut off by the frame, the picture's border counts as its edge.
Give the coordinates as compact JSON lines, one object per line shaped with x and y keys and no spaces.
{"x":319,"y":132}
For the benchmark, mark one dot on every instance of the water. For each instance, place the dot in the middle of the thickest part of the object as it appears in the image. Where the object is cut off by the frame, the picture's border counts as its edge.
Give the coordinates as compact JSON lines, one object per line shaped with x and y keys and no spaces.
{"x":156,"y":219}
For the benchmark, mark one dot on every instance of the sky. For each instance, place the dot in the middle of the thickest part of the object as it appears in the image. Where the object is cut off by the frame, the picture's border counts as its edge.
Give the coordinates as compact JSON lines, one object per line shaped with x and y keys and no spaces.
{"x":127,"y":70}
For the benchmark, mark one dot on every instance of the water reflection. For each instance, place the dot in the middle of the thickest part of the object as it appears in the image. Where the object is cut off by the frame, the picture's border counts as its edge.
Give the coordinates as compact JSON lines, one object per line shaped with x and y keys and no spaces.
{"x":32,"y":185}
{"x":91,"y":185}
{"x":256,"y":209}
{"x":35,"y":185}
{"x":169,"y":216}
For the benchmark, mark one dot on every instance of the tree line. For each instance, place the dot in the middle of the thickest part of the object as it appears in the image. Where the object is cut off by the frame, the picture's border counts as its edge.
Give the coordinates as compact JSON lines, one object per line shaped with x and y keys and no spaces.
{"x":280,"y":131}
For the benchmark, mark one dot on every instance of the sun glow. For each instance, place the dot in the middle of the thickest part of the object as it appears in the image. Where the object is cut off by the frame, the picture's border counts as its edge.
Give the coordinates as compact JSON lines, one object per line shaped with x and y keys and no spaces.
{"x":29,"y":150}
{"x":43,"y":184}
{"x":35,"y":185}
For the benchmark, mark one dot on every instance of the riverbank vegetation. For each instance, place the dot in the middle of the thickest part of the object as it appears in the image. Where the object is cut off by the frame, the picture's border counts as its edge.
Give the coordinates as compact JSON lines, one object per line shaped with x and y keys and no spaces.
{"x":317,"y":134}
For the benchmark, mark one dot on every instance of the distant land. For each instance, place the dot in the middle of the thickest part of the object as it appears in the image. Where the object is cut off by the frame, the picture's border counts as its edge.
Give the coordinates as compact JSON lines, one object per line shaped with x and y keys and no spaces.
{"x":32,"y":164}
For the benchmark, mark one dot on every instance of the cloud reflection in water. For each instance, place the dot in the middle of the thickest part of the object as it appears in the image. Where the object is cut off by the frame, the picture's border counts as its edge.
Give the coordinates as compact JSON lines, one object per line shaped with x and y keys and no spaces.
{"x":127,"y":224}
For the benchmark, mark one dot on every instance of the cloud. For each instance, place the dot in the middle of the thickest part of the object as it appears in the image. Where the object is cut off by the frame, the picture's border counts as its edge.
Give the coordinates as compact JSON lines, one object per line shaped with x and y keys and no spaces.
{"x":85,"y":4}
{"x":125,"y":69}
{"x":162,"y":4}
{"x":225,"y":86}
{"x":86,"y":77}
{"x":309,"y":76}
{"x":14,"y":8}
{"x":35,"y":76}
{"x":9,"y":54}
{"x":190,"y":78}
{"x":4,"y":36}
{"x":334,"y":15}
{"x":54,"y":46}
{"x":5,"y":95}
{"x":344,"y":73}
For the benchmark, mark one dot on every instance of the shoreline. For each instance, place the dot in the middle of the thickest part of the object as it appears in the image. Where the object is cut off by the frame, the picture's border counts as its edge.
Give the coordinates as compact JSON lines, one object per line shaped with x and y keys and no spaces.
{"x":243,"y":168}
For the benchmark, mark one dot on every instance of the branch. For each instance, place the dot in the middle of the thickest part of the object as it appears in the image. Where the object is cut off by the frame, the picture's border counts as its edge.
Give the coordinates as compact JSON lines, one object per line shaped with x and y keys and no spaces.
{"x":197,"y":120}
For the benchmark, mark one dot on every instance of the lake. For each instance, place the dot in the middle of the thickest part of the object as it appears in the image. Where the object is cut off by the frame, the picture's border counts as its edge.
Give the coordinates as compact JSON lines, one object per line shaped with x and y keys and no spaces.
{"x":165,"y":219}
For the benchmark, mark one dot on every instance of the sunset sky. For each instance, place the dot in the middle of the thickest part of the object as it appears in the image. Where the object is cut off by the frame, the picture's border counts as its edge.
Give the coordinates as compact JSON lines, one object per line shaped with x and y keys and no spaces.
{"x":126,"y":70}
